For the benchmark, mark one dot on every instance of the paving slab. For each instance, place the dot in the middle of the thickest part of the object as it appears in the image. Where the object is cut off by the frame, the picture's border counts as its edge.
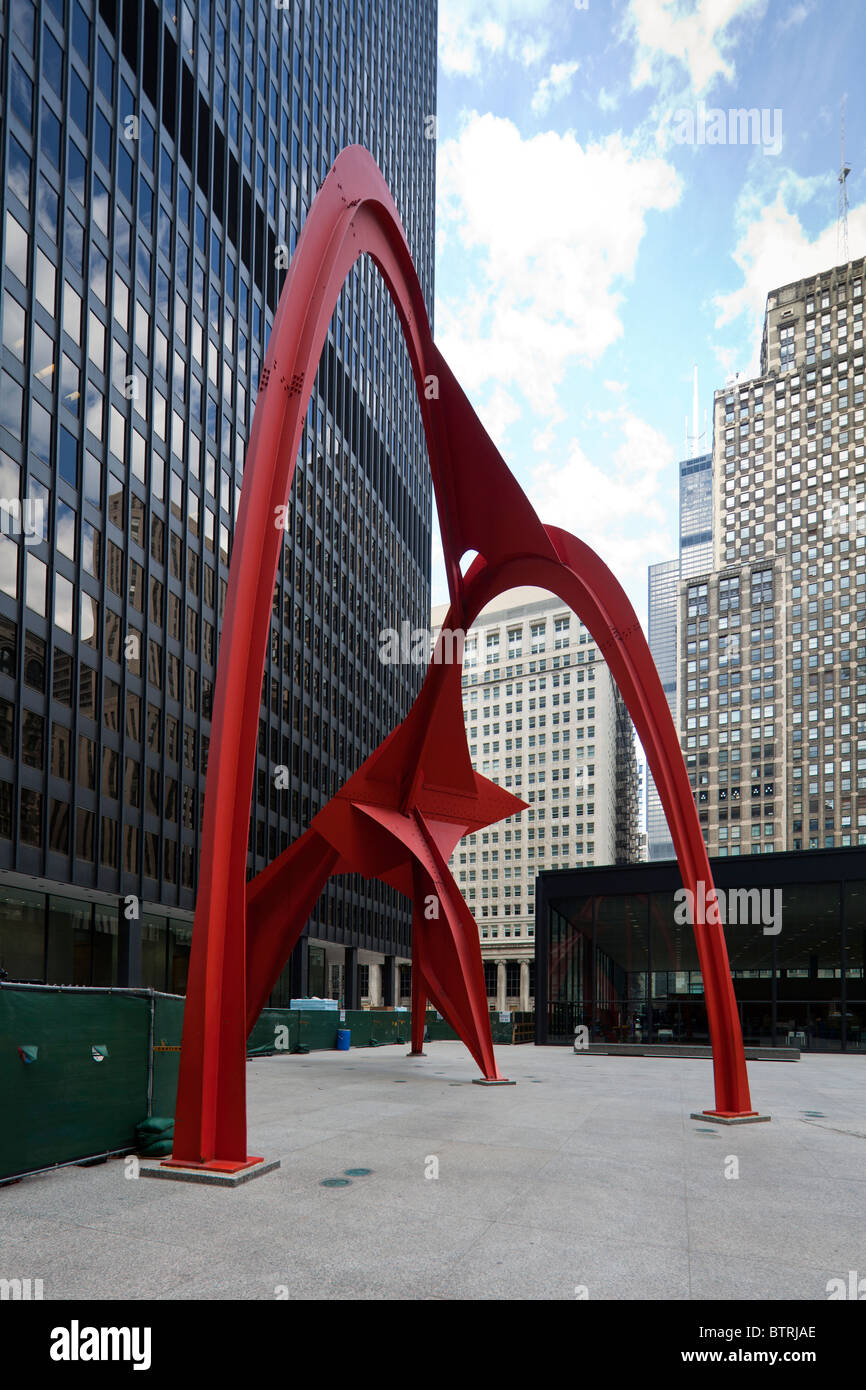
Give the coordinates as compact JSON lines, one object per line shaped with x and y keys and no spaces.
{"x":588,"y":1175}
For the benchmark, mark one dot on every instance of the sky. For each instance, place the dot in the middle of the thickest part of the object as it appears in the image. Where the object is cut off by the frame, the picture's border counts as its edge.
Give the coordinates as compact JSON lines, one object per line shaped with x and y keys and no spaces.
{"x":603,"y":226}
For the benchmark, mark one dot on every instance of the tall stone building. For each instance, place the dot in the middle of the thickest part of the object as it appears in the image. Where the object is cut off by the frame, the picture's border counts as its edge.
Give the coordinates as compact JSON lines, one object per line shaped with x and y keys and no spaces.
{"x":545,"y":720}
{"x":772,"y":641}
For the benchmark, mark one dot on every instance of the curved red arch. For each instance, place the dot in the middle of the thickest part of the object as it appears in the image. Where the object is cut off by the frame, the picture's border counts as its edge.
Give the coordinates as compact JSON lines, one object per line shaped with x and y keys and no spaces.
{"x":399,"y":817}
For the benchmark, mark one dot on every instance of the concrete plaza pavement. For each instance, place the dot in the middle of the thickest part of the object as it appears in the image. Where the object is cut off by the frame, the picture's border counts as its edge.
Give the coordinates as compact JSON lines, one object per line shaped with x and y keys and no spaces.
{"x":586,"y":1175}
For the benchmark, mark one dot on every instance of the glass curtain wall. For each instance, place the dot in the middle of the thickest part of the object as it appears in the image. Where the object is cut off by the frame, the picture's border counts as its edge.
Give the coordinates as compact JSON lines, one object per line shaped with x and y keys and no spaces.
{"x":626,"y":966}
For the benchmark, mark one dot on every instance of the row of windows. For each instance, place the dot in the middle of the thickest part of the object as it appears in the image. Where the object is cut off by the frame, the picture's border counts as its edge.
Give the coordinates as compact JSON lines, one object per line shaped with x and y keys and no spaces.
{"x":151,"y":174}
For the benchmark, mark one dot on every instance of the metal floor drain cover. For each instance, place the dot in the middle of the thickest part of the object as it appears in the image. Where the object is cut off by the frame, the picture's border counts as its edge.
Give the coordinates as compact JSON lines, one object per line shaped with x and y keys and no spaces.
{"x":701,"y":1130}
{"x":335,"y":1182}
{"x":814,"y":1114}
{"x":357,"y":1172}
{"x":401,"y":1082}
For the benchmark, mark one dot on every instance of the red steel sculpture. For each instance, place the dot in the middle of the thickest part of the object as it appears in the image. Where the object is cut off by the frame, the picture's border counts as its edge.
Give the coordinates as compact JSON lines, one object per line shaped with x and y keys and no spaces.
{"x":402,"y":813}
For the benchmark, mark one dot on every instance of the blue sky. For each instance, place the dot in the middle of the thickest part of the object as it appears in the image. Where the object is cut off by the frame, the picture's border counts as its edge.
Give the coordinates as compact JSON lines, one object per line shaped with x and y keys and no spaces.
{"x":588,"y":256}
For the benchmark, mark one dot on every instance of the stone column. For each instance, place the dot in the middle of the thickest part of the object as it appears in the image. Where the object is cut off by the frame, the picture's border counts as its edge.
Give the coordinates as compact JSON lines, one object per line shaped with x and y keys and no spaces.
{"x":524,"y":986}
{"x":500,"y":985}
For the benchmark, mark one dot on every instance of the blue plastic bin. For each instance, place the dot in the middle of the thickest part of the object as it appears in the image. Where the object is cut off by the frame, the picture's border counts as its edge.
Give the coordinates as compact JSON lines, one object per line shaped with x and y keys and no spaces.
{"x":344,"y":1039}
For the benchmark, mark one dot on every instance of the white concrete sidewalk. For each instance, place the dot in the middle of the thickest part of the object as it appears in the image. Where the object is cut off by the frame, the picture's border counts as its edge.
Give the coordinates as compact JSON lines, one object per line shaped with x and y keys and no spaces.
{"x":587,"y":1173}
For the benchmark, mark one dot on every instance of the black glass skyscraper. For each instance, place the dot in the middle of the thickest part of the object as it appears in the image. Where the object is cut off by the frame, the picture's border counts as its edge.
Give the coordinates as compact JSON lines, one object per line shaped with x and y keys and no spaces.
{"x":158,"y":162}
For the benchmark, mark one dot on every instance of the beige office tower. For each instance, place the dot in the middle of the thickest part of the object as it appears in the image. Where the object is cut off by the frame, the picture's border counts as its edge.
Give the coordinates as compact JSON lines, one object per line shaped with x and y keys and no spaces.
{"x":773,"y":642}
{"x":545,"y":720}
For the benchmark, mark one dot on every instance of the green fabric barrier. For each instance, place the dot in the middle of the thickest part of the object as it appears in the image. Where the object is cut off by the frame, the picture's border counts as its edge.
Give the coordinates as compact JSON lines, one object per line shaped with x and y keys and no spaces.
{"x":388,"y":1028}
{"x":167,"y":1034}
{"x":65,"y":1104}
{"x":360,"y":1023}
{"x":318,"y":1028}
{"x":437,"y":1028}
{"x":274,"y":1031}
{"x":74,"y":1064}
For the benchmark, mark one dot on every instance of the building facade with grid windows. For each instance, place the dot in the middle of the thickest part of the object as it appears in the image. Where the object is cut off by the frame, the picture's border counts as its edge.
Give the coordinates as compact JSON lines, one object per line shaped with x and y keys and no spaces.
{"x":773,"y":639}
{"x":158,"y":161}
{"x":545,"y":720}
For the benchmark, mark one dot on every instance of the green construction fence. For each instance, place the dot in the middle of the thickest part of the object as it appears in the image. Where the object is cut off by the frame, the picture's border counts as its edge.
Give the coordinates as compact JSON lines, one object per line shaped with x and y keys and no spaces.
{"x":79,"y":1068}
{"x":74,"y":1068}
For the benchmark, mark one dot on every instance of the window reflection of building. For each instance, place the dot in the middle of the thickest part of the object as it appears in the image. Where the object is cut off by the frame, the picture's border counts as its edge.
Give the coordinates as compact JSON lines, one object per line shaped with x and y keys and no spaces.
{"x":617,"y":959}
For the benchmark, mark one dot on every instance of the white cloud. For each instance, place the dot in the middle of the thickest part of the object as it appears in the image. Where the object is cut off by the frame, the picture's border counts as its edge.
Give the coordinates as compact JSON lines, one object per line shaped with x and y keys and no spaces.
{"x":698,"y":40}
{"x":774,"y":249}
{"x":542,"y":440}
{"x":550,"y":232}
{"x":533,"y":50}
{"x":620,"y":510}
{"x":554,"y":86}
{"x":473,"y":31}
{"x":795,"y":16}
{"x":497,"y":414}
{"x":493,"y":36}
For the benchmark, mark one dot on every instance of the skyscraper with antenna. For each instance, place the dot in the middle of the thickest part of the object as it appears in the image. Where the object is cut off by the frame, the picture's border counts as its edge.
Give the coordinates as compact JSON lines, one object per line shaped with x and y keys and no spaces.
{"x":695,"y":557}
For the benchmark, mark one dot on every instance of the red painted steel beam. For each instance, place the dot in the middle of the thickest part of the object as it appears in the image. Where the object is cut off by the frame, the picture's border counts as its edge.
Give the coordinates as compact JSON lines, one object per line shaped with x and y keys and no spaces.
{"x":421,"y":778}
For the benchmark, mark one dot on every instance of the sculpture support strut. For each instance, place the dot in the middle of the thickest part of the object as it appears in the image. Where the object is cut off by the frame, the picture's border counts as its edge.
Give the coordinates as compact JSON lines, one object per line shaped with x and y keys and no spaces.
{"x":402,"y":813}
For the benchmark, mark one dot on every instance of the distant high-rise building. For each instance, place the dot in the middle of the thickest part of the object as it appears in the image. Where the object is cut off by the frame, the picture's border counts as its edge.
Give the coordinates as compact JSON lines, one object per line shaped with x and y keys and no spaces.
{"x":545,"y":720}
{"x":158,"y":162}
{"x":664,"y":582}
{"x":695,"y":556}
{"x":696,"y":515}
{"x":772,"y":681}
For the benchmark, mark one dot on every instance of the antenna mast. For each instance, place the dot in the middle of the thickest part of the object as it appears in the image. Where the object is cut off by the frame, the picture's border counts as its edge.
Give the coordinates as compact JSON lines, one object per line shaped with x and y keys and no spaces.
{"x":842,"y":214}
{"x":697,"y":436}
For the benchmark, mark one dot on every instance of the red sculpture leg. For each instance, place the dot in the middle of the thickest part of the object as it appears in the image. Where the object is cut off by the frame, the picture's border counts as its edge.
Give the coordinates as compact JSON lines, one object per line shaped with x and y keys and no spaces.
{"x":451,"y":968}
{"x":451,"y":957}
{"x":583,"y":581}
{"x":364,"y":829}
{"x":280,"y":902}
{"x":419,"y":994}
{"x":402,"y":813}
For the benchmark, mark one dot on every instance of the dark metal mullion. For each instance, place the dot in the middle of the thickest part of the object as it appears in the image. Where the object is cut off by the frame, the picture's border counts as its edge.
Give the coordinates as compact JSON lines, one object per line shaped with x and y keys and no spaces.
{"x":843,"y":963}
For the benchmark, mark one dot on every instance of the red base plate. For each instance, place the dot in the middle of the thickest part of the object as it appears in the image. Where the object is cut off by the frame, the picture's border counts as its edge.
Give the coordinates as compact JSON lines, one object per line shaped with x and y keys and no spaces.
{"x":214,"y":1165}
